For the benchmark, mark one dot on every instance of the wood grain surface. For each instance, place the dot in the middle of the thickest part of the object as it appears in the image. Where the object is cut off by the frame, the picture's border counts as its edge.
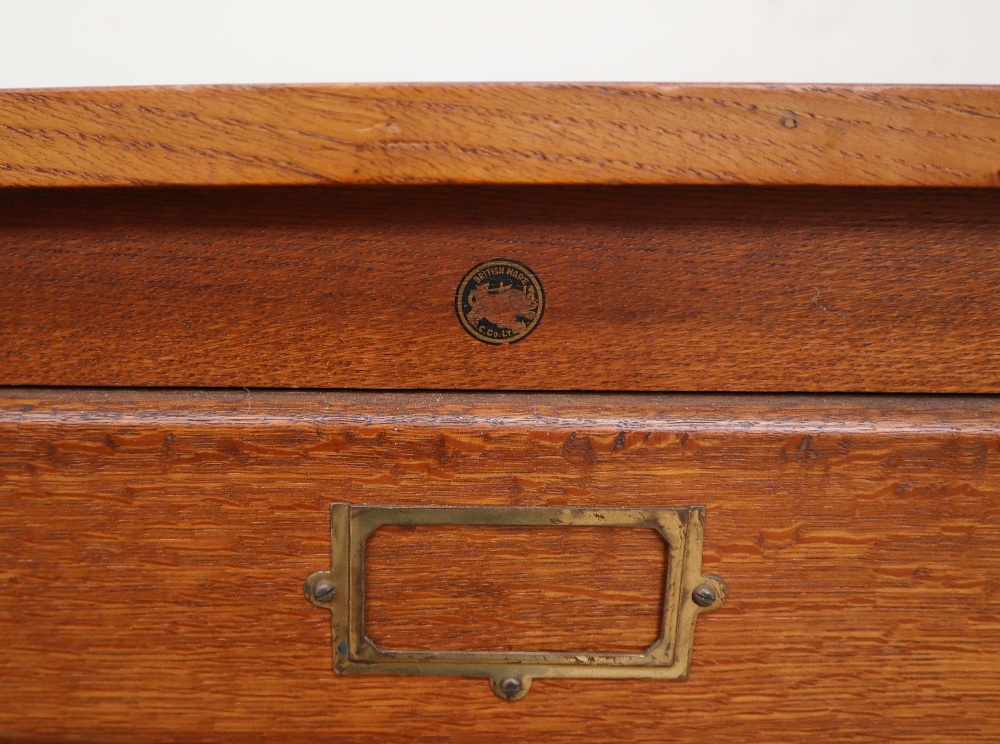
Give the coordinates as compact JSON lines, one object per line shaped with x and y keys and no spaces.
{"x":557,"y":589}
{"x":627,"y":133}
{"x":647,"y":288}
{"x":153,"y":546}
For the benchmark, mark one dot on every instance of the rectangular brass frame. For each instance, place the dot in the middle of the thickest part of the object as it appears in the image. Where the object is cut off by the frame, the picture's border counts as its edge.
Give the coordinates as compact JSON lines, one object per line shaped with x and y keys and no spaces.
{"x":342,"y":591}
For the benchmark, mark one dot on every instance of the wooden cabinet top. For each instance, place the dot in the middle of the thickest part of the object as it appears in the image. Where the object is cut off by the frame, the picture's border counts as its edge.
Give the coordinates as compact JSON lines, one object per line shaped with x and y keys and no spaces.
{"x":503,"y":134}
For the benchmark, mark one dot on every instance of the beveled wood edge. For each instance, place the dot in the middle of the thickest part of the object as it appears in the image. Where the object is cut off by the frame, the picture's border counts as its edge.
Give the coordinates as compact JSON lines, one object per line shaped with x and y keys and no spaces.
{"x":744,"y":413}
{"x":636,"y":133}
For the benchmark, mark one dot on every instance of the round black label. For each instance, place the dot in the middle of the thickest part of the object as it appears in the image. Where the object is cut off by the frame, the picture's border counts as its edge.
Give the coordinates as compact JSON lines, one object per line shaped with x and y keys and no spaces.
{"x":499,"y":301}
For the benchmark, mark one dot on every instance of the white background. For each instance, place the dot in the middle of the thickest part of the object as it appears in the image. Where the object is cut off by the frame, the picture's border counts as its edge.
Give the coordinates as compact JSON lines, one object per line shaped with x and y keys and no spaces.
{"x":45,"y":43}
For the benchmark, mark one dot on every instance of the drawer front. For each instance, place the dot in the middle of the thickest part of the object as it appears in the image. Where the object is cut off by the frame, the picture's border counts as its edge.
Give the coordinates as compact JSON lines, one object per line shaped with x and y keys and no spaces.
{"x":154,"y":545}
{"x":642,"y":289}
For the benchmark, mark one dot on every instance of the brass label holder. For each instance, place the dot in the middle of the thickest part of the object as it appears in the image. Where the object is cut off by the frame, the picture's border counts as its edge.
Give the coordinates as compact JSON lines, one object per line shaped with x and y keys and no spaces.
{"x":687,"y":594}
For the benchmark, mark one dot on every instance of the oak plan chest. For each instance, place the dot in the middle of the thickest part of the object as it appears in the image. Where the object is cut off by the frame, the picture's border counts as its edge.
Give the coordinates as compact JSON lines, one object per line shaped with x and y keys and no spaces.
{"x":553,"y":412}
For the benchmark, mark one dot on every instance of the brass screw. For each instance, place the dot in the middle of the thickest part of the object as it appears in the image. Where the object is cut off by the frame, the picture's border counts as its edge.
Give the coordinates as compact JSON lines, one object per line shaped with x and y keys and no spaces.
{"x":511,"y":686}
{"x":324,"y":590}
{"x":704,"y":596}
